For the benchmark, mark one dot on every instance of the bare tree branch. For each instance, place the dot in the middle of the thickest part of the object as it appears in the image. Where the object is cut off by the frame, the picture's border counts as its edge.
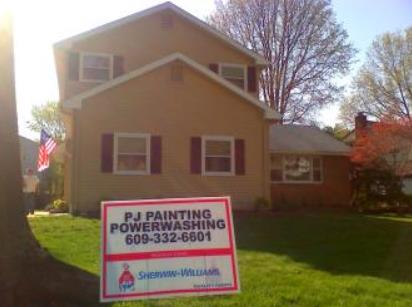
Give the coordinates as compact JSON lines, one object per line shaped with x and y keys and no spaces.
{"x":304,"y":45}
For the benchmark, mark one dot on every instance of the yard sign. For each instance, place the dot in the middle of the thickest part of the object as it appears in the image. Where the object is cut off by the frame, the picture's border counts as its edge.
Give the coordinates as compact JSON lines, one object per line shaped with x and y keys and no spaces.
{"x":167,"y":247}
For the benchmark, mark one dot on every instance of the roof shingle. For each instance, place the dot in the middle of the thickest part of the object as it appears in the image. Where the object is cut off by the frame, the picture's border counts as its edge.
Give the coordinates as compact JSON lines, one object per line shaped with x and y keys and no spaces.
{"x":305,"y":139}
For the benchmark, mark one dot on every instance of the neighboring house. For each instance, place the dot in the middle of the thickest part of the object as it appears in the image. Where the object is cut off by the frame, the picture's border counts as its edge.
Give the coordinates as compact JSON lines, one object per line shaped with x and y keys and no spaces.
{"x":159,"y":104}
{"x":402,"y":157}
{"x":308,"y":167}
{"x":29,"y":151}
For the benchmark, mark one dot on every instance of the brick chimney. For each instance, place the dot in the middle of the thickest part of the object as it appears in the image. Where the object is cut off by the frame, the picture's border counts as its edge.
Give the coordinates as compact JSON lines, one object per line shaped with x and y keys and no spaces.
{"x":361,"y":122}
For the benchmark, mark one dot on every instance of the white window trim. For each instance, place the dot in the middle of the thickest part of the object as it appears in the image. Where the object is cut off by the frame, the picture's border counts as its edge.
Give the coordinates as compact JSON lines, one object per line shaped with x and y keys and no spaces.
{"x":115,"y":153}
{"x":231,"y":139}
{"x":81,"y":76}
{"x":285,"y":181}
{"x":235,"y":65}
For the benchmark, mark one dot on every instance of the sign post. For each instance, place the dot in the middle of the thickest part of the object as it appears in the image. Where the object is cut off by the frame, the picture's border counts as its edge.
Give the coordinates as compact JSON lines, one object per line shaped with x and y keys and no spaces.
{"x":167,"y":247}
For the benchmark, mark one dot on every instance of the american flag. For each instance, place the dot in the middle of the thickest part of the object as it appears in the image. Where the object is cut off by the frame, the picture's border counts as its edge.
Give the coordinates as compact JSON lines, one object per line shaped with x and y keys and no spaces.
{"x":47,"y":145}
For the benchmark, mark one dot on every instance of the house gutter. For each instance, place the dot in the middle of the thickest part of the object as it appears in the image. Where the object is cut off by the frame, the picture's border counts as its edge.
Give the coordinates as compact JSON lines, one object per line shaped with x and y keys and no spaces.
{"x":318,"y":153}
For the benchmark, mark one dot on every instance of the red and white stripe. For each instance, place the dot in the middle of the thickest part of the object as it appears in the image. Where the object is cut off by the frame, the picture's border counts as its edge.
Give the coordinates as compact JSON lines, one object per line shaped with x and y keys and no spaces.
{"x":50,"y":146}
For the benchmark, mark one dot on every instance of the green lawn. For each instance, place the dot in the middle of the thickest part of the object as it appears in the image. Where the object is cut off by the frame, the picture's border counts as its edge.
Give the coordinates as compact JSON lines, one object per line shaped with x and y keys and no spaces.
{"x":284,"y":260}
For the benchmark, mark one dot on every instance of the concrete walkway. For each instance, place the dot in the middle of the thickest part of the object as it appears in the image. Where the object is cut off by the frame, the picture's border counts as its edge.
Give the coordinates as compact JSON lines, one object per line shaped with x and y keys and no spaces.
{"x":45,"y":214}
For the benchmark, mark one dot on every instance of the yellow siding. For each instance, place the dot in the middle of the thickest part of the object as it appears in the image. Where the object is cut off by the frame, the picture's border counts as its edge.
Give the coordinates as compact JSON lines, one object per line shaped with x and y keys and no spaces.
{"x":144,"y":41}
{"x":176,"y":111}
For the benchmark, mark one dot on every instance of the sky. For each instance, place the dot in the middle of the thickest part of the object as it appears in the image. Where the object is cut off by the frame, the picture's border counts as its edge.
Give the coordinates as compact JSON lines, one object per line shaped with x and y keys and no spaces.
{"x":39,"y":24}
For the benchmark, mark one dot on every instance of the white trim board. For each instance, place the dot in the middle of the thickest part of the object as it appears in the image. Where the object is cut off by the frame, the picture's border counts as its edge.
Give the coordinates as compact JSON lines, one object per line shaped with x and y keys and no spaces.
{"x":76,"y":102}
{"x":67,"y":43}
{"x":230,"y":139}
{"x":118,"y":135}
{"x":312,"y":153}
{"x":312,"y":169}
{"x":81,"y":66}
{"x":243,"y":66}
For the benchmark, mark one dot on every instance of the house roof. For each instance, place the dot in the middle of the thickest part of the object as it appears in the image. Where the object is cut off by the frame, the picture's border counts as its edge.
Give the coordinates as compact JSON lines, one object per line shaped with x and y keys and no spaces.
{"x":67,"y":43}
{"x":76,"y":101}
{"x":304,"y":140}
{"x":349,"y":138}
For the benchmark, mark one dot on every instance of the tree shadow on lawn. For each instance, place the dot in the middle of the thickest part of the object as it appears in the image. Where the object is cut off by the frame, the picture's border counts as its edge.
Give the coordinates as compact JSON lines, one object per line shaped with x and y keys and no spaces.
{"x":50,"y":282}
{"x":70,"y":286}
{"x":336,"y":243}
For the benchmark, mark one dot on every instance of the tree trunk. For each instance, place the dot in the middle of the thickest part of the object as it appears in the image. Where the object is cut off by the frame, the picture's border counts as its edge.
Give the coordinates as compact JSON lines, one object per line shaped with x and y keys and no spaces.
{"x":14,"y":231}
{"x":28,"y":276}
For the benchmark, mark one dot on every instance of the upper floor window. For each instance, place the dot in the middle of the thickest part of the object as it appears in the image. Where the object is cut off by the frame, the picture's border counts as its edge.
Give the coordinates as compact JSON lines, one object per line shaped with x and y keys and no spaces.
{"x":235,"y":73}
{"x":131,"y":153}
{"x":218,"y":155}
{"x":95,"y":67}
{"x":296,"y":168}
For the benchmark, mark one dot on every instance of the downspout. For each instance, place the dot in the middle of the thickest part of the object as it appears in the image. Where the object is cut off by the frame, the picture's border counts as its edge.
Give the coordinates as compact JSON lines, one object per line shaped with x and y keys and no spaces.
{"x":266,"y":159}
{"x":74,"y":183}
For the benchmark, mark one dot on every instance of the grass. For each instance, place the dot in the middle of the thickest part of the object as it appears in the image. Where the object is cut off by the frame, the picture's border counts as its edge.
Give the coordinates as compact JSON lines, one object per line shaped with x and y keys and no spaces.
{"x":319,"y":259}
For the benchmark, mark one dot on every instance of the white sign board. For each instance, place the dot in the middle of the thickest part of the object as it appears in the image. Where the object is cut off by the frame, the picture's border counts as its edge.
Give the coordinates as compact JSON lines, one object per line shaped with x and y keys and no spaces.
{"x":167,"y":247}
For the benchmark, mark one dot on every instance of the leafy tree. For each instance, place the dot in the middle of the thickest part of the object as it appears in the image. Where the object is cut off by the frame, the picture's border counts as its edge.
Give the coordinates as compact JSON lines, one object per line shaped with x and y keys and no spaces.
{"x":385,"y":145}
{"x":48,"y":117}
{"x":302,"y":42}
{"x":383,"y":86}
{"x":381,"y":155}
{"x":338,"y":131}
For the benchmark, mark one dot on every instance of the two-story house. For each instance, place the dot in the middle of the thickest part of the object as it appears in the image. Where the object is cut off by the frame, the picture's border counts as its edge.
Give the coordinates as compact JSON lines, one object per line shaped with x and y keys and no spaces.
{"x":159,"y":104}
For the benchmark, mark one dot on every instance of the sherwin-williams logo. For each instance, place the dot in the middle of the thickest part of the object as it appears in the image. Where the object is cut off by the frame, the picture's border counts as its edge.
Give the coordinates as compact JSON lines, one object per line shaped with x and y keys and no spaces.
{"x":183,"y":272}
{"x":126,"y":279}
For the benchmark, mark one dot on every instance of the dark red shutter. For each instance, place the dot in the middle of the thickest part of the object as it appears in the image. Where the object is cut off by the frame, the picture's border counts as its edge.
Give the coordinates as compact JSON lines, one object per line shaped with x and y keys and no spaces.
{"x":107,"y":153}
{"x":155,"y":154}
{"x":214,"y":67}
{"x":196,"y":155}
{"x":118,"y":66}
{"x":240,"y":157}
{"x":251,"y":79}
{"x":73,"y":66}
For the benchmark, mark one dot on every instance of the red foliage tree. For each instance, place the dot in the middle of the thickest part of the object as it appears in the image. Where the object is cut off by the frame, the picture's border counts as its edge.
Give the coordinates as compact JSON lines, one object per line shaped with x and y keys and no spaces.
{"x":382,"y":154}
{"x":386,"y":144}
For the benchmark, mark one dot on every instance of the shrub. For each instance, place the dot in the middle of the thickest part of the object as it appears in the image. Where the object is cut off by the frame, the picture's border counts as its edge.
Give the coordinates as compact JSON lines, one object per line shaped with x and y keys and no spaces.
{"x":376,"y":188}
{"x":406,"y":201}
{"x":59,"y":206}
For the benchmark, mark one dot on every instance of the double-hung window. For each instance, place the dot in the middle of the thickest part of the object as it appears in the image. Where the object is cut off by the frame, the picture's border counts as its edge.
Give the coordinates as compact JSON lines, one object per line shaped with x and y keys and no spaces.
{"x":234,"y":73}
{"x":296,"y":168}
{"x":132,"y":153}
{"x":95,"y":67}
{"x":218,"y":155}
